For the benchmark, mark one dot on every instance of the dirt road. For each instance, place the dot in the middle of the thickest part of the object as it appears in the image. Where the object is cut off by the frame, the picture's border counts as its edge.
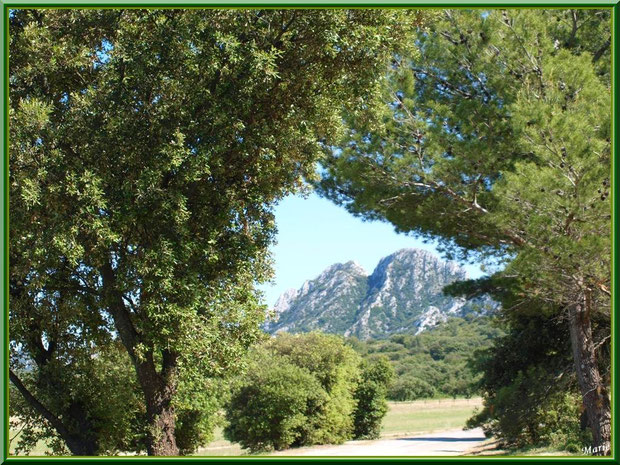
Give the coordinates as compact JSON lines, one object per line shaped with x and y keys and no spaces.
{"x":451,"y":442}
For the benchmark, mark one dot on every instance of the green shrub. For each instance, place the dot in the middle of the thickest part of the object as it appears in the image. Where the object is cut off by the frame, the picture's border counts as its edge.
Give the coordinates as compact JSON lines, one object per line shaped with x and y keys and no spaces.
{"x":336,"y":366}
{"x":411,"y":388}
{"x":371,"y":394}
{"x":560,"y":424}
{"x":529,"y":385}
{"x":272,"y":407}
{"x":527,"y":412}
{"x":298,"y":391}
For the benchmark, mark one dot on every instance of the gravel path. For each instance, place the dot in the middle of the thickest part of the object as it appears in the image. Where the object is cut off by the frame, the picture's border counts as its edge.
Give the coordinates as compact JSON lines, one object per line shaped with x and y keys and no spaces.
{"x":451,"y":442}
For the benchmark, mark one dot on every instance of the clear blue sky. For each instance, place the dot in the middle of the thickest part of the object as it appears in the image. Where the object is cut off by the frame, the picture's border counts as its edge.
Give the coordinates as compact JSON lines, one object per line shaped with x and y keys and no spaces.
{"x":314,"y":233}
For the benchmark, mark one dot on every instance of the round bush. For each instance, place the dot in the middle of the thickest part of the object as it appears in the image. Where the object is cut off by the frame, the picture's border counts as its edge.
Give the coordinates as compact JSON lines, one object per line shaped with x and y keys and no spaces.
{"x":271,"y":408}
{"x":306,"y":389}
{"x":410,"y":388}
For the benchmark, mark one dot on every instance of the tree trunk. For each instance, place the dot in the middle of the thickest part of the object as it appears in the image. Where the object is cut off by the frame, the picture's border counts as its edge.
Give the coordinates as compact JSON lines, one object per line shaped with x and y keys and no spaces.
{"x":159,"y":389}
{"x":593,"y":390}
{"x":162,"y":422}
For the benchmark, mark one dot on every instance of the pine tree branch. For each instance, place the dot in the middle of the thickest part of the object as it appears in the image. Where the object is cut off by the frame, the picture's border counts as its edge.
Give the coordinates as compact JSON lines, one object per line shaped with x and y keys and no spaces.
{"x":602,"y":341}
{"x":444,"y":82}
{"x":599,"y":53}
{"x":604,"y":289}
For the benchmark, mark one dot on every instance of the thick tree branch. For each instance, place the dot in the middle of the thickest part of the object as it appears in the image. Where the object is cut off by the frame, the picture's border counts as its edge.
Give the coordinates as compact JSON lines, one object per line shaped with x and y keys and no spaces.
{"x":118,"y":310}
{"x":38,"y":406}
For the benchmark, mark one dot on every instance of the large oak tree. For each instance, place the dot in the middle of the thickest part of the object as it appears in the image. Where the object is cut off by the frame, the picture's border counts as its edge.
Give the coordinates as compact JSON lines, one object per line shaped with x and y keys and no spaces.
{"x":147,"y":149}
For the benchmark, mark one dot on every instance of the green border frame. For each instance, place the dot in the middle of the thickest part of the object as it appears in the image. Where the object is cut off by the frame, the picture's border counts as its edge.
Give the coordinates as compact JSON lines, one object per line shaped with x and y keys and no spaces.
{"x":425,"y":4}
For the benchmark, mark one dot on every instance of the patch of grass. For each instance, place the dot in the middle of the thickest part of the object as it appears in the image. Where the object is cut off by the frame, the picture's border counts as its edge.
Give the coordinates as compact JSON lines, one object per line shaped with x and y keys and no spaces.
{"x":40,"y":449}
{"x":427,"y":415}
{"x":220,"y":446}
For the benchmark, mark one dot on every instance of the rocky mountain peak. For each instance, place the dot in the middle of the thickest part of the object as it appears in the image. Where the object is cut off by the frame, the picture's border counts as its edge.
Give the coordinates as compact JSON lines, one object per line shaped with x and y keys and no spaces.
{"x":285,"y":300}
{"x":403,"y":292}
{"x":349,"y":268}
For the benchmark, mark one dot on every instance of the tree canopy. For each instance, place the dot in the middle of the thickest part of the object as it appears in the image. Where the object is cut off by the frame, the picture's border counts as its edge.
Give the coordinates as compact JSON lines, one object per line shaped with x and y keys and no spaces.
{"x":496,"y":139}
{"x":147,"y":149}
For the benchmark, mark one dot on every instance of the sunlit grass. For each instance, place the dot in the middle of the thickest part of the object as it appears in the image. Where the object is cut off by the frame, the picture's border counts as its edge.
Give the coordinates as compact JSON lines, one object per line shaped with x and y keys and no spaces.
{"x":427,"y":415}
{"x":41,"y":447}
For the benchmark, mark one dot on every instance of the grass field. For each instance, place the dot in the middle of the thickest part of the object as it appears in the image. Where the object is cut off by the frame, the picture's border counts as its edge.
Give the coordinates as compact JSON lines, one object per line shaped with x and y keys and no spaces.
{"x":40,"y":449}
{"x":427,"y":415}
{"x":402,"y":419}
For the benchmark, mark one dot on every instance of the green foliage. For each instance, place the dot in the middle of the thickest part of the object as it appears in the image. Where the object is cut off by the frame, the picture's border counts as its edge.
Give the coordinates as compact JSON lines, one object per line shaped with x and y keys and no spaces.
{"x":299,"y":391}
{"x":527,"y":377}
{"x":336,"y":366}
{"x":102,"y":411}
{"x":435,"y":362}
{"x":275,"y":405}
{"x":323,"y":355}
{"x":497,"y":139}
{"x":466,"y":121}
{"x":370,"y":396}
{"x":198,"y":408}
{"x":527,"y":412}
{"x":559,"y":201}
{"x":148,"y":148}
{"x":528,"y":383}
{"x":409,"y":387}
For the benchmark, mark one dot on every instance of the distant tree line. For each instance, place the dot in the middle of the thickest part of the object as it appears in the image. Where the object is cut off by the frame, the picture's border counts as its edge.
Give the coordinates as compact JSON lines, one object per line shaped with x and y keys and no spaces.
{"x":435,"y":363}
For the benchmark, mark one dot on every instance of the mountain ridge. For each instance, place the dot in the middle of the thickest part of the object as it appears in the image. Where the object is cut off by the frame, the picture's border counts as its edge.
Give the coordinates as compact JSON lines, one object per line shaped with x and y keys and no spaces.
{"x":402,"y":293}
